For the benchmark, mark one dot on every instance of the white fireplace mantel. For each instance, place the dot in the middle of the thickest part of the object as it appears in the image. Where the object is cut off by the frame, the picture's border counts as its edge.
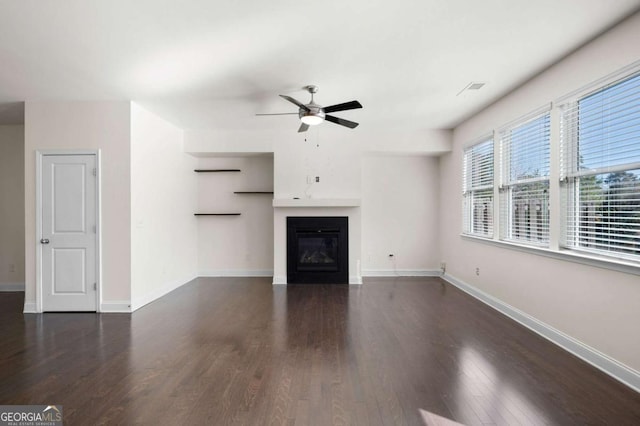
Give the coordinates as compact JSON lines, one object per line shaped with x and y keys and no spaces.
{"x":287,"y":207}
{"x":316,"y":202}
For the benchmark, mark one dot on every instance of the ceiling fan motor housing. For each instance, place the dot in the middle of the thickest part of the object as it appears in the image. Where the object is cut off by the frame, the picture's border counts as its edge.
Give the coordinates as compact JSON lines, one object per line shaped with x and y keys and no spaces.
{"x":315,"y":114}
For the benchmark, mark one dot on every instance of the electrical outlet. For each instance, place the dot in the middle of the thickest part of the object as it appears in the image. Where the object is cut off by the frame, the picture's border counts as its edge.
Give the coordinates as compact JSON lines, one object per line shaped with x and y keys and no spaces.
{"x":478,"y":271}
{"x":309,"y":179}
{"x":443,"y":266}
{"x":317,"y":179}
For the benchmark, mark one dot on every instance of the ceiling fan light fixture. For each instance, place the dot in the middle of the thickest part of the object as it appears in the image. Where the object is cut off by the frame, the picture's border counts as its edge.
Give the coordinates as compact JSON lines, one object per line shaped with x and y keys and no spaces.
{"x":311,"y":119}
{"x":312,"y":114}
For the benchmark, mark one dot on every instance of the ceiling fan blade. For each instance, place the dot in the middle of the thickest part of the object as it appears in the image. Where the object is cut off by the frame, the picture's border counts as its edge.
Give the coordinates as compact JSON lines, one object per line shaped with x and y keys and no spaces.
{"x":293,"y":101}
{"x":341,"y":121}
{"x":342,"y":107}
{"x":303,"y":128}
{"x":281,"y":113}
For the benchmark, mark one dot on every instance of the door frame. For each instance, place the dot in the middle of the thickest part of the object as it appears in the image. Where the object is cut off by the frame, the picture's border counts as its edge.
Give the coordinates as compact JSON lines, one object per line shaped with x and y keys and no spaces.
{"x":39,"y":156}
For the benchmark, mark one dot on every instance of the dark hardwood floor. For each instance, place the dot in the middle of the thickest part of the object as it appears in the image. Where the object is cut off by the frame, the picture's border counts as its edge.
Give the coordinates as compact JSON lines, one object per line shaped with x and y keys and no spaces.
{"x":239,"y":350}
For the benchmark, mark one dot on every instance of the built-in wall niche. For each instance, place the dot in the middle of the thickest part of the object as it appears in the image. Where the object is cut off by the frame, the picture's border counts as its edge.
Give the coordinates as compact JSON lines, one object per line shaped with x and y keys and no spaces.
{"x":235,"y":192}
{"x":235,"y":215}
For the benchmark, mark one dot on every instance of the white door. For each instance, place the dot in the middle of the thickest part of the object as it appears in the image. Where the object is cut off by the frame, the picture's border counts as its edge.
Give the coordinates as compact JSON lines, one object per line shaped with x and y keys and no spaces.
{"x":68,"y":240}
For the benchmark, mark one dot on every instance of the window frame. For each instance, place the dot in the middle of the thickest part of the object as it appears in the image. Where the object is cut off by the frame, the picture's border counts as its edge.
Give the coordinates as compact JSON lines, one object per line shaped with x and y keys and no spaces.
{"x":507,"y":185}
{"x":571,"y":173}
{"x":557,"y":213}
{"x":469,"y":191}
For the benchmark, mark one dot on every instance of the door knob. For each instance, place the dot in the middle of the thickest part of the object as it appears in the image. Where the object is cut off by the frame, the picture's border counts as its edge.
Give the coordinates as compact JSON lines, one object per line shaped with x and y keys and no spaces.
{"x":44,"y":241}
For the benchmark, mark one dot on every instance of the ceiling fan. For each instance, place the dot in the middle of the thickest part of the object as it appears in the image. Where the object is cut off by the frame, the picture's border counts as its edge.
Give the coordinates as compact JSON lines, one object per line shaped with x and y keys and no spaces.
{"x":311,"y":114}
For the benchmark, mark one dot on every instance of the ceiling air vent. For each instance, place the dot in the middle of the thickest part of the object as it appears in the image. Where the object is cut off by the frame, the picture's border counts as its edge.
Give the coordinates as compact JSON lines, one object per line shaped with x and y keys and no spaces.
{"x":474,"y":85}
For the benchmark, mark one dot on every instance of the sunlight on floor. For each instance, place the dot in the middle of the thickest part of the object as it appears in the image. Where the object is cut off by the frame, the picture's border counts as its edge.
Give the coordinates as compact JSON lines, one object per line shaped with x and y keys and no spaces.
{"x":489,"y":395}
{"x":431,"y":419}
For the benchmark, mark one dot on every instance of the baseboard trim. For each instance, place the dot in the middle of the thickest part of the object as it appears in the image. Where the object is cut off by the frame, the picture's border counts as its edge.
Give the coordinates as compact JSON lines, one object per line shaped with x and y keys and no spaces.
{"x":237,"y":273}
{"x":17,"y":286}
{"x":158,"y":293}
{"x":116,"y":307}
{"x":602,"y":362}
{"x":30,"y":308}
{"x":280,"y":280}
{"x":353,"y":280}
{"x":401,"y":273}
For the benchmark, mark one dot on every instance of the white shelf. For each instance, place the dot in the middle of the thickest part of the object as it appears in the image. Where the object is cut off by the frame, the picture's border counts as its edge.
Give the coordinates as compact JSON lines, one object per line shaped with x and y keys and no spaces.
{"x":316,"y":202}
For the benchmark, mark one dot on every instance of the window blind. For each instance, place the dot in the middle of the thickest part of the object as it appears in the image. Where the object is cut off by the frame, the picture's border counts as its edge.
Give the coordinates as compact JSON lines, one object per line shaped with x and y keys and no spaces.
{"x":524,"y":180}
{"x":600,"y":154}
{"x":478,"y":189}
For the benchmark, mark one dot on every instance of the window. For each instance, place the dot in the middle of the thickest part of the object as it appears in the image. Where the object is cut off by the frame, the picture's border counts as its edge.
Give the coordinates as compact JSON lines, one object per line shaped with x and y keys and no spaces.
{"x":600,"y":155}
{"x":524,"y":181}
{"x":478,"y":189}
{"x":593,"y":210}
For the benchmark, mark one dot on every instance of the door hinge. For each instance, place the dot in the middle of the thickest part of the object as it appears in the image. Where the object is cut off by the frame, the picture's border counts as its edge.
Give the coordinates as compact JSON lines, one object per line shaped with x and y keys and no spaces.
{"x":95,"y":286}
{"x":94,"y":171}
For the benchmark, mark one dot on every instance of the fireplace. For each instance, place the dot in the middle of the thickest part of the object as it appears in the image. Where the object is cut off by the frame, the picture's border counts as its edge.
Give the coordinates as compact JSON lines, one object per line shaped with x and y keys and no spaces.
{"x":318,"y":250}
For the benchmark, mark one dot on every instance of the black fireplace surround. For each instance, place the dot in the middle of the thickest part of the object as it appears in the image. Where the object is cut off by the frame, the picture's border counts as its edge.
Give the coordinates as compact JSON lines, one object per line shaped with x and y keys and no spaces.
{"x":318,"y":250}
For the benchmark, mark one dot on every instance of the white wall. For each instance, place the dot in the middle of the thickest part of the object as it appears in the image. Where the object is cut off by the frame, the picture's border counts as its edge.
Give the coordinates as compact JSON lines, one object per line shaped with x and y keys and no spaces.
{"x":163,"y":198}
{"x":235,"y":245}
{"x":363,"y":139}
{"x":85,"y":125}
{"x":11,"y":208}
{"x":400,"y":214}
{"x":336,"y":161}
{"x":331,"y":152}
{"x":598,"y":307}
{"x":335,"y":155}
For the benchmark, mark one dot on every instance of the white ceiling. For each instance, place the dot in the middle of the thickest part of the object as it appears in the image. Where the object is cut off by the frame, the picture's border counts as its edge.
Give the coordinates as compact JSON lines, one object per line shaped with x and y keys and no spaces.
{"x":215,"y":63}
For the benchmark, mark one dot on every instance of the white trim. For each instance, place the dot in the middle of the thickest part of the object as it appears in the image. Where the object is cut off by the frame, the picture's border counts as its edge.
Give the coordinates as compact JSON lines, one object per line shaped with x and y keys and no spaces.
{"x":279,"y":280}
{"x":237,"y":273}
{"x":316,"y":202}
{"x":487,"y":136}
{"x":38,"y":247}
{"x":38,"y":215}
{"x":401,"y":273}
{"x":99,"y":231}
{"x":523,"y":119}
{"x":67,"y":151}
{"x":566,"y":255}
{"x":159,"y":292}
{"x":116,"y":306}
{"x":30,"y":308}
{"x":602,"y":362}
{"x":353,"y":280}
{"x":598,"y":84}
{"x":17,"y":286}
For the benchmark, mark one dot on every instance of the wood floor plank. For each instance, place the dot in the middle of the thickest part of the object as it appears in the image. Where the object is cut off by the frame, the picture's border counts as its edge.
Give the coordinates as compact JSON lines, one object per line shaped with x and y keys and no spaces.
{"x":411,"y":351}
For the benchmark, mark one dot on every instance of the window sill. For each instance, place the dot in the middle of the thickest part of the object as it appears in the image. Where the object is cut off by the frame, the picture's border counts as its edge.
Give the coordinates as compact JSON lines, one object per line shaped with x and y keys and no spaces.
{"x":628,"y":267}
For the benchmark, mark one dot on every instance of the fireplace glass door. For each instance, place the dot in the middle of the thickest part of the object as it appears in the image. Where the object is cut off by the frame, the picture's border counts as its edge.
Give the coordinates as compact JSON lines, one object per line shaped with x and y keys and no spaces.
{"x":317,"y":250}
{"x":317,"y":253}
